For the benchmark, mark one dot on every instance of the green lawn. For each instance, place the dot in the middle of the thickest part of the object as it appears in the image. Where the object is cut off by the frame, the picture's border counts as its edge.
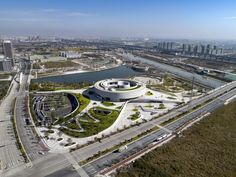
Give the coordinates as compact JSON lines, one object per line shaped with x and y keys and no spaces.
{"x":162,"y":106}
{"x":86,"y":118}
{"x":168,"y":81}
{"x":207,"y":149}
{"x":135,"y":109}
{"x":4,"y":76}
{"x":148,"y":106}
{"x":83,"y":103}
{"x":52,"y":86}
{"x":149,"y":93}
{"x":92,"y":128}
{"x":73,"y":125}
{"x":171,"y":98}
{"x":58,"y":64}
{"x":135,"y":116}
{"x":106,"y":103}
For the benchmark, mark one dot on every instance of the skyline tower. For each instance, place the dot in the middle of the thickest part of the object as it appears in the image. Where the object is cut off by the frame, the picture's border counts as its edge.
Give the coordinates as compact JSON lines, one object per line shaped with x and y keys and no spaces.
{"x":7,"y":49}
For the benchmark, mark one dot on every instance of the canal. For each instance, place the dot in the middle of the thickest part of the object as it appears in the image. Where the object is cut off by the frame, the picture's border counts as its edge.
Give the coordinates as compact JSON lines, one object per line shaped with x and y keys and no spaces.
{"x":204,"y":80}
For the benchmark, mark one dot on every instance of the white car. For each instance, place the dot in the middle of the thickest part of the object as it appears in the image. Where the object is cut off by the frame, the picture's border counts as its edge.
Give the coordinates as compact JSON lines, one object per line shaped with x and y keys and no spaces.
{"x":41,"y":152}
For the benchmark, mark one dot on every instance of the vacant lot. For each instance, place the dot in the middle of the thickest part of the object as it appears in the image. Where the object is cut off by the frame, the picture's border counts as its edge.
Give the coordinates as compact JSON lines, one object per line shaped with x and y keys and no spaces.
{"x":208,"y":149}
{"x":55,"y":64}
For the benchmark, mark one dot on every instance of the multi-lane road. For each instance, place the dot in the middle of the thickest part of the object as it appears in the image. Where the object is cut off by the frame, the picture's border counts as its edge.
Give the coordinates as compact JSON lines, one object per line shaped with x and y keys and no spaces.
{"x":67,"y":164}
{"x":32,"y":144}
{"x":54,"y":164}
{"x":10,"y":156}
{"x":106,"y":161}
{"x":9,"y":153}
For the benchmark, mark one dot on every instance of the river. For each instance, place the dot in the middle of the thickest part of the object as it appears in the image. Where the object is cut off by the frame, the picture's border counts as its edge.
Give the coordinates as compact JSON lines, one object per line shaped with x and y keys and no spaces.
{"x":123,"y":71}
{"x":204,"y":80}
{"x":90,"y":77}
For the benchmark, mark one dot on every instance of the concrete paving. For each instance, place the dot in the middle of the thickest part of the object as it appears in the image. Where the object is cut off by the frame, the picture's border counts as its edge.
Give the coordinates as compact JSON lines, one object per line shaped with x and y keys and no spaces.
{"x":10,"y":156}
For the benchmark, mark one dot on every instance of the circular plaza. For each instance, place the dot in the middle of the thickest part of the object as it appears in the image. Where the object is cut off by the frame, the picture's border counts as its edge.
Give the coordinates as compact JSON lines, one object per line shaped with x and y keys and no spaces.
{"x":119,"y":89}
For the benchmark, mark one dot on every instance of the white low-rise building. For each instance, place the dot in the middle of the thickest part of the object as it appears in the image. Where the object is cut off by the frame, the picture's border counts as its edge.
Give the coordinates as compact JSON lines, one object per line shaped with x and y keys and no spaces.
{"x":119,"y":89}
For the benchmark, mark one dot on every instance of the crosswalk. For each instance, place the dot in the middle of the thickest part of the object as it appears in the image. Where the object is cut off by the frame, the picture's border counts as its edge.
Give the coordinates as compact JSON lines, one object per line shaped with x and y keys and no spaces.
{"x":90,"y":169}
{"x":75,"y":164}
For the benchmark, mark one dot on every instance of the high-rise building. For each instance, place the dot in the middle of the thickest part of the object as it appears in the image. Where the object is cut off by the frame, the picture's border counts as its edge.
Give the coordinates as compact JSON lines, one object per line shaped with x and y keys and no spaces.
{"x":214,"y":50}
{"x":195,"y":50}
{"x":202,"y":49}
{"x":189,"y":48}
{"x":221,"y":51}
{"x":168,"y":46}
{"x":164,"y":45}
{"x":171,"y":45}
{"x":208,"y":49}
{"x":7,"y":49}
{"x":184,"y":48}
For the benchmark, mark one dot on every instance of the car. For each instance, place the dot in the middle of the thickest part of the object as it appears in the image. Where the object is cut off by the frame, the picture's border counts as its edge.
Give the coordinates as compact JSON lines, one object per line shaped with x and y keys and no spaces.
{"x":27,"y":121}
{"x":41,"y":152}
{"x":164,"y":136}
{"x":122,"y":148}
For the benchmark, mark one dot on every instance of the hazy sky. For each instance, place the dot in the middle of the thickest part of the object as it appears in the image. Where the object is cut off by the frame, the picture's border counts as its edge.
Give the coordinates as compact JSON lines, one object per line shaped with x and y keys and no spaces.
{"x":204,"y":19}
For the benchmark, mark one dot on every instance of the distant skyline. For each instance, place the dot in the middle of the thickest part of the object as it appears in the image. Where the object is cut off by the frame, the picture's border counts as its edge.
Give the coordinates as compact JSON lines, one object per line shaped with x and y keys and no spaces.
{"x":202,"y":19}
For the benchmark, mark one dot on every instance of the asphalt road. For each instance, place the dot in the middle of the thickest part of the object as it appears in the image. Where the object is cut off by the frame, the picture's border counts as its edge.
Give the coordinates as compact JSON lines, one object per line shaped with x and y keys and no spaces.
{"x":9,"y":152}
{"x":54,"y":164}
{"x":114,"y":157}
{"x":94,"y":148}
{"x":31,"y":143}
{"x":94,"y":167}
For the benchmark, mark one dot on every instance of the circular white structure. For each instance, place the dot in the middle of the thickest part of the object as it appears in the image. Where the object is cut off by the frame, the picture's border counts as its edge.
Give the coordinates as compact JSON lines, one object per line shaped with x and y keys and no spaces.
{"x":119,"y":89}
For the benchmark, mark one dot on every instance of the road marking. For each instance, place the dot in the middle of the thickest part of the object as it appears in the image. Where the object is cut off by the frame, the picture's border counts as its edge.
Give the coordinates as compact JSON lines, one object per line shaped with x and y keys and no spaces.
{"x":91,"y":168}
{"x":161,"y":127}
{"x":76,"y":165}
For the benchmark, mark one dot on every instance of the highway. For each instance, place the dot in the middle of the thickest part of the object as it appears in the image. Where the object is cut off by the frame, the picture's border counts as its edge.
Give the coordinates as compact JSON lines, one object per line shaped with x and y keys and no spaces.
{"x":106,"y":161}
{"x":109,"y":142}
{"x":54,"y":164}
{"x":51,"y":170}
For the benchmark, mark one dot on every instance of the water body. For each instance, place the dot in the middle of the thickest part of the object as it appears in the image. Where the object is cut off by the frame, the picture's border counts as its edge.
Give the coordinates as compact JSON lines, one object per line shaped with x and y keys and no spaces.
{"x":230,"y":76}
{"x":208,"y":81}
{"x":90,"y":77}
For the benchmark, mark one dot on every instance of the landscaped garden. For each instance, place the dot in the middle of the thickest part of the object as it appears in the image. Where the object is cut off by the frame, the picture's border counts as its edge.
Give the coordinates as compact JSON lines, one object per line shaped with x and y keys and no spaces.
{"x":96,"y":120}
{"x":135,"y":116}
{"x":106,"y":103}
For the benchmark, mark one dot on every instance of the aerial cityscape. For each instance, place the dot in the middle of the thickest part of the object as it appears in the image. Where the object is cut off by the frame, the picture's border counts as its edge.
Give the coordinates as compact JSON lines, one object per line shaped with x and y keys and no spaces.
{"x":117,"y":88}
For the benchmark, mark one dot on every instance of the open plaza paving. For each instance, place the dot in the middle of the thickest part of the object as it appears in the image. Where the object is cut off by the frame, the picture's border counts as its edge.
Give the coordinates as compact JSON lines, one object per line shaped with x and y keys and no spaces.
{"x":95,"y":116}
